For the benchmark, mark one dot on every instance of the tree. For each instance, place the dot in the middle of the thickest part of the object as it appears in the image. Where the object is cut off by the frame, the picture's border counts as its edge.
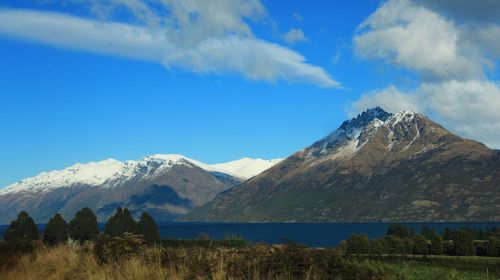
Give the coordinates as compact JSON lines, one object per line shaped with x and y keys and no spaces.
{"x":420,"y":245}
{"x":400,"y":231}
{"x":493,"y":246}
{"x":408,"y":245}
{"x":427,"y":232}
{"x":22,"y":228}
{"x":84,"y":226}
{"x":358,"y":244}
{"x":120,"y":223}
{"x":463,"y":243}
{"x":449,"y":234}
{"x":56,"y":231}
{"x":378,"y":246}
{"x":437,"y":246}
{"x":395,"y":245}
{"x":148,"y":229}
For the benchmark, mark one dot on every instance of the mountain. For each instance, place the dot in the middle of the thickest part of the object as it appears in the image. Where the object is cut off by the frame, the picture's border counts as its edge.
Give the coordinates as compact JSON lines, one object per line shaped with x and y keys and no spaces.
{"x":375,"y":167}
{"x":164,"y":185}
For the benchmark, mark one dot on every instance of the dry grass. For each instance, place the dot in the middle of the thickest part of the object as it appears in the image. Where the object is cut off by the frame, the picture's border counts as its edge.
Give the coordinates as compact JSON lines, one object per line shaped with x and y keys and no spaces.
{"x":75,"y":262}
{"x":72,"y":261}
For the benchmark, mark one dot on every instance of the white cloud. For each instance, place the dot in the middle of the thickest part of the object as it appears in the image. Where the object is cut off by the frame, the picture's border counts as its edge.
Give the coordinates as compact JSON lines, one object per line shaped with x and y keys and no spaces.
{"x":390,"y":99}
{"x":295,"y":36}
{"x":298,"y":17}
{"x":413,"y":37}
{"x":209,"y":37}
{"x":255,"y":59}
{"x":452,"y":48}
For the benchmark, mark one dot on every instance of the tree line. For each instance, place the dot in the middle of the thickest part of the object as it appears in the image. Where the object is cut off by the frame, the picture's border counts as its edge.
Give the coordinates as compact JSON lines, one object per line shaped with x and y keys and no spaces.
{"x":83,"y":227}
{"x":400,"y":239}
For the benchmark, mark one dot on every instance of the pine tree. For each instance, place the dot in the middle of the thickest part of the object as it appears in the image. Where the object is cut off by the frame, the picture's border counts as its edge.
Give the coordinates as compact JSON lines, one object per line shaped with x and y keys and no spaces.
{"x":493,"y":246}
{"x":437,"y":246}
{"x":358,"y":244}
{"x":56,"y":231}
{"x":427,"y":232}
{"x":395,"y":245}
{"x":400,"y":231}
{"x":84,"y":226}
{"x":408,"y":245}
{"x":120,"y":223}
{"x":463,"y":243}
{"x":420,"y":246}
{"x":148,"y":229}
{"x":22,"y":228}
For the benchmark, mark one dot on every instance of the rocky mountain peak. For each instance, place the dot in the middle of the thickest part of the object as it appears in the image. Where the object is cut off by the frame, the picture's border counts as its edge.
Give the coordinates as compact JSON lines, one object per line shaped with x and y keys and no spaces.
{"x":365,"y":118}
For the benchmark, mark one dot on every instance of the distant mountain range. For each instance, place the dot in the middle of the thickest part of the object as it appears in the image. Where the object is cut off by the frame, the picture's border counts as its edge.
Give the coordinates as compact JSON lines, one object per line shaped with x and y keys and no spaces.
{"x":164,"y":185}
{"x":377,"y":166}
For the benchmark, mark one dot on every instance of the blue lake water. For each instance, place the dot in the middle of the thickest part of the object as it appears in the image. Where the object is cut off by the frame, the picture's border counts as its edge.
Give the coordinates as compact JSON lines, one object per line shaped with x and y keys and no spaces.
{"x":315,"y":235}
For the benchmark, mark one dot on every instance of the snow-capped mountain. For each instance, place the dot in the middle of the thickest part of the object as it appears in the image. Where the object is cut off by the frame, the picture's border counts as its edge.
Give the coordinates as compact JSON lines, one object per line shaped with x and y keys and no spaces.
{"x":164,"y":185}
{"x":112,"y":173}
{"x":244,"y":168}
{"x":376,"y":166}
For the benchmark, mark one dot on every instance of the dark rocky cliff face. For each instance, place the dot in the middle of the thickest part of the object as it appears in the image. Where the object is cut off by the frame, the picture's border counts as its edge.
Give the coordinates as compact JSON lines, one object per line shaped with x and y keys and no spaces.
{"x":375,"y":167}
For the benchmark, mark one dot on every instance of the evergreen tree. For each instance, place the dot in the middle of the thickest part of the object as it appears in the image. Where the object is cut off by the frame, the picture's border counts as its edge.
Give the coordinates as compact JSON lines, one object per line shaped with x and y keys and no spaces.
{"x":22,"y":228}
{"x":148,"y":229}
{"x":358,"y":244}
{"x":493,"y":246}
{"x":400,"y":231}
{"x":448,"y":234}
{"x":120,"y":223}
{"x":420,"y":246}
{"x":56,"y":231}
{"x":84,"y":226}
{"x":408,"y":245}
{"x":427,"y":232}
{"x":395,"y":245}
{"x":437,"y":246}
{"x":377,"y":247}
{"x":463,"y":243}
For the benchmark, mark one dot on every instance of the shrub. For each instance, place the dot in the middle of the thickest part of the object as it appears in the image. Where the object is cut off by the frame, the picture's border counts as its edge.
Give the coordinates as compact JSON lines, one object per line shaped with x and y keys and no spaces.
{"x":84,"y":226}
{"x":113,"y":248}
{"x":22,"y":228}
{"x":56,"y":231}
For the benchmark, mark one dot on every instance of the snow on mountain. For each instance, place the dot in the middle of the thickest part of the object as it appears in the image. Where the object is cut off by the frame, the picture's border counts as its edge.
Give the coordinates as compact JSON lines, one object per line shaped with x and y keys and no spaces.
{"x":246,"y":167}
{"x":111,"y":173}
{"x":355,"y":133}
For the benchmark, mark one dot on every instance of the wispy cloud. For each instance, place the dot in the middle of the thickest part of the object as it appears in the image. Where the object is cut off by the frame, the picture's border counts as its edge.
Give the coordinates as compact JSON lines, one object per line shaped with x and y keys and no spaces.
{"x":295,"y":35}
{"x":209,"y":37}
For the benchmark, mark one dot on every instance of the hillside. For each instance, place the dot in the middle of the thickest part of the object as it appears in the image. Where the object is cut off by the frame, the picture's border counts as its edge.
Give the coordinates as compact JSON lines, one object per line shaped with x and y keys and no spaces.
{"x":375,"y":167}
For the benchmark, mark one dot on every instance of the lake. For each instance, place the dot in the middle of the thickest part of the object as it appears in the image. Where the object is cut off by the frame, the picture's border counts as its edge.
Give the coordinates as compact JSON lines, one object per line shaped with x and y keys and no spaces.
{"x":314,"y":235}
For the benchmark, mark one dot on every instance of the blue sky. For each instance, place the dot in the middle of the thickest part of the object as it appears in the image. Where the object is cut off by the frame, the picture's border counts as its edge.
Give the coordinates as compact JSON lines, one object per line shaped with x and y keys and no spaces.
{"x":291,"y":74}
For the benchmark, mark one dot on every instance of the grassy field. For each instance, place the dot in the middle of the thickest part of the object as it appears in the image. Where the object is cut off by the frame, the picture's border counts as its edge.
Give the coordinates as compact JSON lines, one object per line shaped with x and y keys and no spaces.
{"x":73,"y":261}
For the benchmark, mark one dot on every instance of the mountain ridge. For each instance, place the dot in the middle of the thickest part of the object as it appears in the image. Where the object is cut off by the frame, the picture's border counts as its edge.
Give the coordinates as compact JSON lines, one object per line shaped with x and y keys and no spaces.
{"x":401,"y":167}
{"x":166,"y":186}
{"x":103,"y":173}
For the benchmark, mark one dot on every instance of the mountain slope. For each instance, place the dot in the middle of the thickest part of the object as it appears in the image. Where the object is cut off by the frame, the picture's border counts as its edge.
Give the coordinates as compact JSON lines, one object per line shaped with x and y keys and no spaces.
{"x":375,"y":167}
{"x":164,"y":185}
